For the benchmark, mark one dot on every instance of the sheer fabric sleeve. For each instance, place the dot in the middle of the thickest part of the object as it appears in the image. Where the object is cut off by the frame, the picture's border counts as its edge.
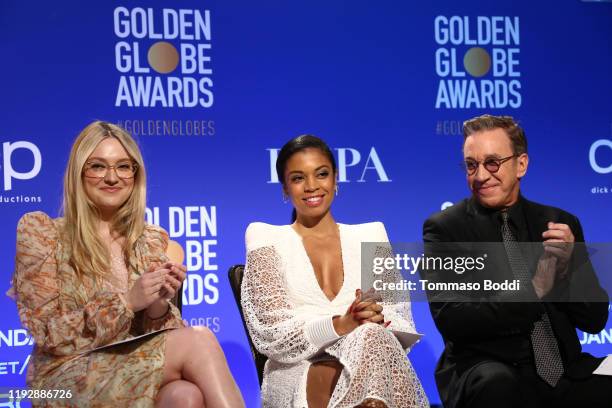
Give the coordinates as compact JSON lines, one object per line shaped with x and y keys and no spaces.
{"x":59,"y":323}
{"x":396,"y":304}
{"x":275,"y":329}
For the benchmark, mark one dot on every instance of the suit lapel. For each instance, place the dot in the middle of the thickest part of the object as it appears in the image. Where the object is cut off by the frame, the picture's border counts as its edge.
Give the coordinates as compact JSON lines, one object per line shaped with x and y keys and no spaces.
{"x":479,"y":225}
{"x":486,"y":237}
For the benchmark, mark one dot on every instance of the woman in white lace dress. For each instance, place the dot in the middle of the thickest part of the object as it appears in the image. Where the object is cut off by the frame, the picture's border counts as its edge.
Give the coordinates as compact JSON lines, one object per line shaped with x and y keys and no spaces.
{"x":327,"y":344}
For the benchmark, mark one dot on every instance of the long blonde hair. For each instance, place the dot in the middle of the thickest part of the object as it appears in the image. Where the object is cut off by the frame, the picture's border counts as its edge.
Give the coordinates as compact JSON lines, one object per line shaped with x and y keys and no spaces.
{"x":88,"y":253}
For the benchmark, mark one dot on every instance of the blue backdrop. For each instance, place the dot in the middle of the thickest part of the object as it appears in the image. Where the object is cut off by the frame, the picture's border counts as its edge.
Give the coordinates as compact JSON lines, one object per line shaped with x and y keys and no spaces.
{"x":210,"y":90}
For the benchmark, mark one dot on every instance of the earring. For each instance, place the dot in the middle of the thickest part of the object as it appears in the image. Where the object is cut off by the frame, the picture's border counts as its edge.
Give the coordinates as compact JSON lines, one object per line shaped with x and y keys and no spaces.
{"x":336,"y":189}
{"x":285,"y":198}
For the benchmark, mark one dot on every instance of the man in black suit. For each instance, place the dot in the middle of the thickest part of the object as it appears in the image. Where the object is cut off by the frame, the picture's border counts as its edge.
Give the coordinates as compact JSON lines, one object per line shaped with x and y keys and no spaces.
{"x":515,"y":349}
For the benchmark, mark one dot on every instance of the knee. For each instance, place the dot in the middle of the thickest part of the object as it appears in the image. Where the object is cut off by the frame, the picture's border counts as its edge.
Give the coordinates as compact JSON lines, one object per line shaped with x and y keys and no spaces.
{"x":203,"y":338}
{"x":188,"y":340}
{"x":375,"y":340}
{"x":180,"y":394}
{"x":371,"y":329}
{"x":374,"y":333}
{"x":494,"y":378}
{"x":191,"y":398}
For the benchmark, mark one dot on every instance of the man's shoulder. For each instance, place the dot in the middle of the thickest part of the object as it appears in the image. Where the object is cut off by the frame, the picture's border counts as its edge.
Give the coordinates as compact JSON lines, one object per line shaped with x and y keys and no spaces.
{"x":455,"y":213}
{"x":449,"y":224}
{"x":458,"y":212}
{"x":551,"y":213}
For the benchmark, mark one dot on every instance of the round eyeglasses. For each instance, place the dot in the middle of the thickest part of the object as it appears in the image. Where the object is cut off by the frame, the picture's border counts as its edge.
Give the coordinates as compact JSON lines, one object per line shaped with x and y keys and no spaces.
{"x":491,"y":164}
{"x":124,"y":170}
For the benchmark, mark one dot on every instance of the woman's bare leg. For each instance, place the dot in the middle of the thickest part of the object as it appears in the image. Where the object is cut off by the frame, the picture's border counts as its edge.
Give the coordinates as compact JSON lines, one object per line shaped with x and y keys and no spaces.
{"x":179,"y":393}
{"x":193,"y":354}
{"x":321,"y":381}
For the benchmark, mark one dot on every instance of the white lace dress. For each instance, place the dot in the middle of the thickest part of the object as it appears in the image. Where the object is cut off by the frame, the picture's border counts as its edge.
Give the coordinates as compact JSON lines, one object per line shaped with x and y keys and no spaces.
{"x":290,"y":321}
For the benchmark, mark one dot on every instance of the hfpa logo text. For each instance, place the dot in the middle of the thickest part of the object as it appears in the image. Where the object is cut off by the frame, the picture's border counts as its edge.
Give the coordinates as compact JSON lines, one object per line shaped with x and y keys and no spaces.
{"x":349,"y":160}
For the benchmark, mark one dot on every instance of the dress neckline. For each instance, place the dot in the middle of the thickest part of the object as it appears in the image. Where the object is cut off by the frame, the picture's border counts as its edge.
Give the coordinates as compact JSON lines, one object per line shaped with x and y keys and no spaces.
{"x":313,"y":276}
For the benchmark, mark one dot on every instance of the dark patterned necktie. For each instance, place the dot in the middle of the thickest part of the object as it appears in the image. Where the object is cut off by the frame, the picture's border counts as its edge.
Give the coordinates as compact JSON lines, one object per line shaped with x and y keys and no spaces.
{"x":545,"y":348}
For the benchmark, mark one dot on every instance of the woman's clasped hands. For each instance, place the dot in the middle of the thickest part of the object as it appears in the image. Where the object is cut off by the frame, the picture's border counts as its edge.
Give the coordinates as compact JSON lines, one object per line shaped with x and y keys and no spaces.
{"x":157,"y":285}
{"x":364,"y":309}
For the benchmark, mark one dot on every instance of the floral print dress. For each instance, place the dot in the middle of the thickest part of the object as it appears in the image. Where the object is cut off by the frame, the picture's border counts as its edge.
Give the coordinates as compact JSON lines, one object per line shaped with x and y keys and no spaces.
{"x":72,"y":319}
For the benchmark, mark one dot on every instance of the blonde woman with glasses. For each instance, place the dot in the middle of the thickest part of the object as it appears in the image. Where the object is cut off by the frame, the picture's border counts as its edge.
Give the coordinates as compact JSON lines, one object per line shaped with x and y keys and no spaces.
{"x":89,"y":285}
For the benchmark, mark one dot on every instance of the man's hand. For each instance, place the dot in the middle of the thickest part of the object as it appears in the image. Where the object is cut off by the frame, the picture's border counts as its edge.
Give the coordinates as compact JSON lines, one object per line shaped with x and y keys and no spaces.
{"x":559,"y":242}
{"x":558,"y":247}
{"x":544,"y":278}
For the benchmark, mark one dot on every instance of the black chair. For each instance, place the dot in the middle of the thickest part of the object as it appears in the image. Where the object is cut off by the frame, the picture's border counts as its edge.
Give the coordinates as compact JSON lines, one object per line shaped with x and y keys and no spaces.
{"x":235,"y":274}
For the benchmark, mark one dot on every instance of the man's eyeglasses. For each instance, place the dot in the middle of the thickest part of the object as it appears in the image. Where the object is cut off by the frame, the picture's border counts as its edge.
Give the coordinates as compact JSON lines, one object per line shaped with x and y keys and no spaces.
{"x":124,"y":170}
{"x":491,"y":164}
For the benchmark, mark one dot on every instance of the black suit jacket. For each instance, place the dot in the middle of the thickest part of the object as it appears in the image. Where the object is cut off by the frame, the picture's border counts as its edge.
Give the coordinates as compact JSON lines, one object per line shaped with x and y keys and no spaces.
{"x":492,"y":329}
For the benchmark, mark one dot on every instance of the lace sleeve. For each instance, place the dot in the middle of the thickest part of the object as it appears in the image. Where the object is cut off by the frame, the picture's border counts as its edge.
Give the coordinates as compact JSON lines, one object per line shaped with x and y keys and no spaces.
{"x":396,"y":304}
{"x":274,"y":328}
